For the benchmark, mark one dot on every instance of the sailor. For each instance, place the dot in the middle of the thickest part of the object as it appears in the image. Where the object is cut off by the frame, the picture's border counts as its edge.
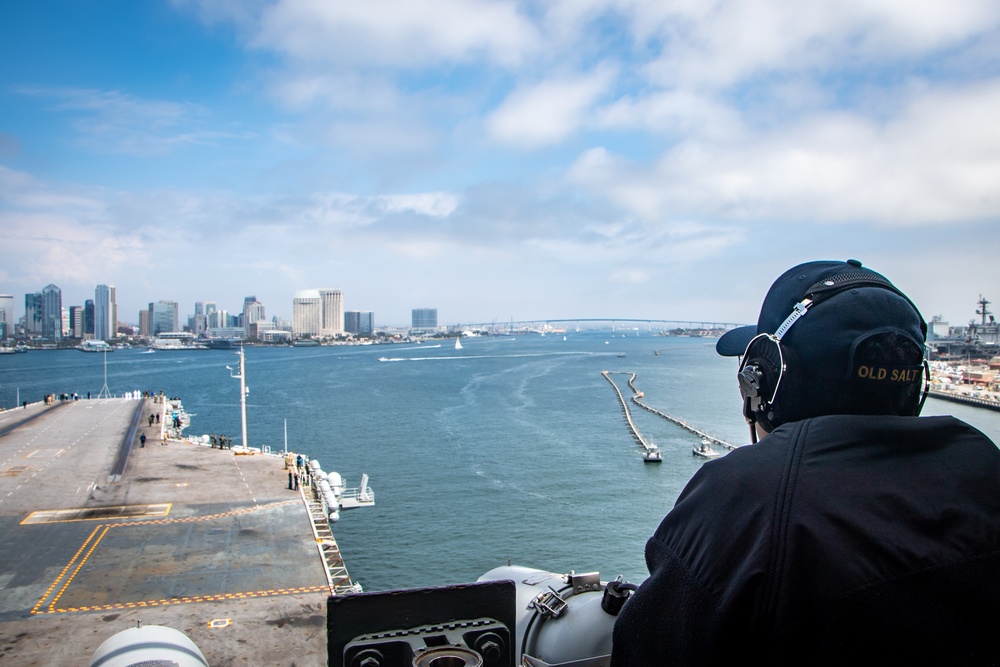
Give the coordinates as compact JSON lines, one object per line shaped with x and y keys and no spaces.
{"x":854,"y":531}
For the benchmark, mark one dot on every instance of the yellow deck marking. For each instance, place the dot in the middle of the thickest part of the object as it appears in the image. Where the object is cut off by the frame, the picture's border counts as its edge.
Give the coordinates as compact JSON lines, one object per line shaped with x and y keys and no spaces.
{"x":97,"y":513}
{"x":92,"y":543}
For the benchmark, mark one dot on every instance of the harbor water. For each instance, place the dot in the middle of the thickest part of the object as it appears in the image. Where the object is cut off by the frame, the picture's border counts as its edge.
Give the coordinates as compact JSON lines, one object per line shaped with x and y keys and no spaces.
{"x":511,"y":448}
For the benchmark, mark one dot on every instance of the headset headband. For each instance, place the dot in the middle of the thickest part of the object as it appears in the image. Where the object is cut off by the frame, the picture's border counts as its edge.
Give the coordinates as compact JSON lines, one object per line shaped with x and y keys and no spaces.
{"x":835,"y":284}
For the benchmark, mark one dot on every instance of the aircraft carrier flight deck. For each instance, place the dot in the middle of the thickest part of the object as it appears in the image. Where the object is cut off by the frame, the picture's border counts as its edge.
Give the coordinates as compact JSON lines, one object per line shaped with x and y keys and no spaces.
{"x":95,"y":539}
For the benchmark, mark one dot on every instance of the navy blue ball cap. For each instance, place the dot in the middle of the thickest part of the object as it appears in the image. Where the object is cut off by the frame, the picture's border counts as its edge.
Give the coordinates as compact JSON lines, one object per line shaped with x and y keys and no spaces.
{"x":823,"y":280}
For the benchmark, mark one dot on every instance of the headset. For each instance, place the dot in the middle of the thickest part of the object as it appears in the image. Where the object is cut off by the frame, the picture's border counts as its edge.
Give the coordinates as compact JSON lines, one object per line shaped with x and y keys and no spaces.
{"x":767,"y":363}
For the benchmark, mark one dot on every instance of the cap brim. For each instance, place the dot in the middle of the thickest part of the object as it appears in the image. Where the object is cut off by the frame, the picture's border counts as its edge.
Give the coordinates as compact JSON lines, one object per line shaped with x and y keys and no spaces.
{"x":734,"y":342}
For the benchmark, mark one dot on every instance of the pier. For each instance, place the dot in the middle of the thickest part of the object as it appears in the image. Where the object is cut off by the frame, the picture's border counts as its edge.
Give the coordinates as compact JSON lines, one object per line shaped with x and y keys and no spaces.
{"x":637,"y":397}
{"x":955,"y":397}
{"x":98,"y":533}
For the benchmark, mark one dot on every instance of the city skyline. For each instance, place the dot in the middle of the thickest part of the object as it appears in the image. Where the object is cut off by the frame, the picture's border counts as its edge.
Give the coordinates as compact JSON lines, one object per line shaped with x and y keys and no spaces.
{"x":498,"y":159}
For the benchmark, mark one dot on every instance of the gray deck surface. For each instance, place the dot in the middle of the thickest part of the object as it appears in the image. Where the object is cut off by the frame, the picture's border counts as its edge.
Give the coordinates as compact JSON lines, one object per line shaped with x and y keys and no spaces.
{"x":188,"y":536}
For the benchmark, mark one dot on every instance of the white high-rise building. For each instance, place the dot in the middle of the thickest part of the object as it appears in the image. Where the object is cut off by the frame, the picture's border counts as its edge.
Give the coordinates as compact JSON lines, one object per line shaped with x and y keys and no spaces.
{"x":332,"y":309}
{"x":307,"y":313}
{"x":105,"y":312}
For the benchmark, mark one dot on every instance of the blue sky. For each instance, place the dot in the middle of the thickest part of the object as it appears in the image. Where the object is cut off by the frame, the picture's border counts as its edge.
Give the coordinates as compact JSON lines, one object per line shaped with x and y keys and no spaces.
{"x":497,"y":160}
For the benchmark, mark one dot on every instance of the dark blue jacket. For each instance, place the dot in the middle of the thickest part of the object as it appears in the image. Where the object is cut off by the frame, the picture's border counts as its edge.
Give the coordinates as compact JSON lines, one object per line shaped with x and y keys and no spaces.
{"x":834,"y":540}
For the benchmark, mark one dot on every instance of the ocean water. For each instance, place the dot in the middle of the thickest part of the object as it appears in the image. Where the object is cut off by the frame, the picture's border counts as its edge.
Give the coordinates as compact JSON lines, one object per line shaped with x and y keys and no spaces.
{"x":512,"y":448}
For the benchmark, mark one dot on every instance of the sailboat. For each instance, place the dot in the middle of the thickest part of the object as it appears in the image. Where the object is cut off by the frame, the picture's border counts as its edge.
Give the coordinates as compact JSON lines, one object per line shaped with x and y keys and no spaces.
{"x":458,"y":343}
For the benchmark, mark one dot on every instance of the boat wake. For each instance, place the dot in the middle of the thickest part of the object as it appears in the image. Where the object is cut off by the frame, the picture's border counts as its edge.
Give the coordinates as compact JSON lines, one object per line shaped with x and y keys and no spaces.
{"x":494,"y":356}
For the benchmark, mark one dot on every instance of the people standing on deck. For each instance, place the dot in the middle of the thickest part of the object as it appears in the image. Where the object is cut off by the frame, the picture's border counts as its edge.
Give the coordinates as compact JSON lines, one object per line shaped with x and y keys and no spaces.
{"x":854,"y":531}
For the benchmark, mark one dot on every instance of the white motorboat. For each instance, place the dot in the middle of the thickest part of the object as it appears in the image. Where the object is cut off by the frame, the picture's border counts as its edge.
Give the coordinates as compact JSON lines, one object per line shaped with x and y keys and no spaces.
{"x":704,"y":450}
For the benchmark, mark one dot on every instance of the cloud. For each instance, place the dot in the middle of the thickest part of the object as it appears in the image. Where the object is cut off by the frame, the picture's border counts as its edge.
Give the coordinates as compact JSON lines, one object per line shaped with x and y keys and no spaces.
{"x":723,"y":42}
{"x":547,"y":112}
{"x":934,"y":161}
{"x":396,"y":33}
{"x":116,"y":122}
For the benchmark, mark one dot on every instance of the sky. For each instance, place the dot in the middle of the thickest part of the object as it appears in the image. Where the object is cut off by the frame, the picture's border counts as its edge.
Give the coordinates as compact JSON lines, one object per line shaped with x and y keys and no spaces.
{"x":498,"y":160}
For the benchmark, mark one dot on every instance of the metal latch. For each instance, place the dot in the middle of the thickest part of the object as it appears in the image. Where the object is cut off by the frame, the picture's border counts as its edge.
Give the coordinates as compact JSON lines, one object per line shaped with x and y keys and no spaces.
{"x":548,"y":604}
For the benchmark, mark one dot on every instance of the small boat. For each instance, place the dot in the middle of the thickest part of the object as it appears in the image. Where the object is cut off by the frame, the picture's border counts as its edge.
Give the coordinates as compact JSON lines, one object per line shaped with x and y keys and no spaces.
{"x":704,"y":450}
{"x":652,"y":455}
{"x":458,"y":343}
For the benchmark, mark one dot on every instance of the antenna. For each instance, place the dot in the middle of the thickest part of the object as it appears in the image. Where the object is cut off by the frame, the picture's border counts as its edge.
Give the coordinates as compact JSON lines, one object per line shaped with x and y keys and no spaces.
{"x":105,"y":392}
{"x":982,"y":308}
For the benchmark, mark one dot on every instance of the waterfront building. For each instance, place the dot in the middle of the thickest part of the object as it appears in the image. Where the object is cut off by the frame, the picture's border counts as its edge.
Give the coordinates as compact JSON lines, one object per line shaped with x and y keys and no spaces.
{"x":145,"y":325}
{"x":359,"y":321}
{"x":197,"y":322}
{"x":211,"y":317}
{"x":424,"y":319}
{"x":52,"y":321}
{"x":163,"y":317}
{"x":253,"y":312}
{"x":275,"y":336}
{"x":331,"y":312}
{"x":256,"y":330}
{"x":88,"y":319}
{"x":105,"y":312}
{"x":33,"y":312}
{"x":6,"y":316}
{"x":76,"y":321}
{"x":306,"y":313}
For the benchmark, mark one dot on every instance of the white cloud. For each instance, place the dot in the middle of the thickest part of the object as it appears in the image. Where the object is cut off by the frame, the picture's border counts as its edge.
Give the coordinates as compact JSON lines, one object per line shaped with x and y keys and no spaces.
{"x":113,"y":121}
{"x":431,"y":204}
{"x":937,"y":161}
{"x":547,"y":112}
{"x":398,"y":33}
{"x":723,"y":42}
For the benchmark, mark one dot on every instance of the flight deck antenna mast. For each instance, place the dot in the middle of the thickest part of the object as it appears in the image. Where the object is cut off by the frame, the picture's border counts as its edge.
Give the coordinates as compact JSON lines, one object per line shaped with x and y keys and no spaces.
{"x":244,"y":390}
{"x":105,"y":392}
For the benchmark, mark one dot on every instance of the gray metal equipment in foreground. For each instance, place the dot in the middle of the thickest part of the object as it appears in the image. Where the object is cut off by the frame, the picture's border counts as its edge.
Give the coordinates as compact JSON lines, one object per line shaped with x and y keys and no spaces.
{"x":150,"y":645}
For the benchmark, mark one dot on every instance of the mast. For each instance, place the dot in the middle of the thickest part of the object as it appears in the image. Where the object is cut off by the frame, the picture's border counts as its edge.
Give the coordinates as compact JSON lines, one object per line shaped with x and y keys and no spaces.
{"x":982,"y":311}
{"x":105,"y":392}
{"x":244,"y":390}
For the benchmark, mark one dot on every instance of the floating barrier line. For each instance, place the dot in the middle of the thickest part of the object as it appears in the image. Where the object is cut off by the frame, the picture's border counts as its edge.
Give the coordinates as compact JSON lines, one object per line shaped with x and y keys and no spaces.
{"x":674,"y":420}
{"x":637,"y":399}
{"x":628,"y":415}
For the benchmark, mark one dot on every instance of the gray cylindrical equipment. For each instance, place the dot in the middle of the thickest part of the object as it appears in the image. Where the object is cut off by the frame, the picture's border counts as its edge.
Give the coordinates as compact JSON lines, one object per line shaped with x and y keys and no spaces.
{"x":148,"y":645}
{"x":581,"y":632}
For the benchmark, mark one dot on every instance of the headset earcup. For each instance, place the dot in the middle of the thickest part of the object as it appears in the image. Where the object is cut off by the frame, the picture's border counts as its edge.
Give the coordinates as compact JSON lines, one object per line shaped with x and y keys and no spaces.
{"x":758,"y":377}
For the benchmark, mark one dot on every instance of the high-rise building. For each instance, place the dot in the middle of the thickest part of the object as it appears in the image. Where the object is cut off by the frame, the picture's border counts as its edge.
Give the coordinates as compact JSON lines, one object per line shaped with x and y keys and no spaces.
{"x":76,"y":321}
{"x":253,"y":312}
{"x":88,"y":318}
{"x":105,"y":313}
{"x":34,"y":310}
{"x":307,"y":313}
{"x":6,"y":316}
{"x":359,"y":321}
{"x":212,"y":316}
{"x":424,"y":318}
{"x":145,"y":326}
{"x":332,"y":312}
{"x":163,"y":317}
{"x":52,"y":312}
{"x":198,"y":323}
